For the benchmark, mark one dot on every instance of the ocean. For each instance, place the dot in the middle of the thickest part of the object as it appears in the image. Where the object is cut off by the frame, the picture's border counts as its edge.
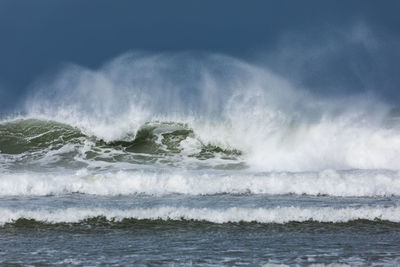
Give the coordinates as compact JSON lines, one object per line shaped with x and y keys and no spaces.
{"x":197,"y":160}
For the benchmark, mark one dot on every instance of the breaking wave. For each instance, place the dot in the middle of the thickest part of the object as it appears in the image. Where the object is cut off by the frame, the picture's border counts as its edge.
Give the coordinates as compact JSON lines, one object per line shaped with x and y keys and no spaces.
{"x":153,"y":182}
{"x":278,"y":215}
{"x":212,"y":104}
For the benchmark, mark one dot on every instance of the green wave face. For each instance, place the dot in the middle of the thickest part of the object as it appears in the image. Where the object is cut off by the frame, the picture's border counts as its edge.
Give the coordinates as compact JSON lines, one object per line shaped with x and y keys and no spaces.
{"x":54,"y":144}
{"x":32,"y":135}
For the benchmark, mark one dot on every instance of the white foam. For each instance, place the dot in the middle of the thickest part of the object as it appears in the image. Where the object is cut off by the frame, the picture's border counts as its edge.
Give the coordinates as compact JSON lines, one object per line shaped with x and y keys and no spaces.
{"x":355,"y":183}
{"x":236,"y":214}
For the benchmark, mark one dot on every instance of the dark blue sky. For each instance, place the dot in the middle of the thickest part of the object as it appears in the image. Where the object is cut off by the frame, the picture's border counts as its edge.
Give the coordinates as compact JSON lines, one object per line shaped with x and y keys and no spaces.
{"x":37,"y":37}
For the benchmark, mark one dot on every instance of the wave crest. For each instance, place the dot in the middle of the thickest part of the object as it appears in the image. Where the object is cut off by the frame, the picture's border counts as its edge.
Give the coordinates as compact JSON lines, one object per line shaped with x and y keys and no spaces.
{"x":229,"y":215}
{"x":332,"y":183}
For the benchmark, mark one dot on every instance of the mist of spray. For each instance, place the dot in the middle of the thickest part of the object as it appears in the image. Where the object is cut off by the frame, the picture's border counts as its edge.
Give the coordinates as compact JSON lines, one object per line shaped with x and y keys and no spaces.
{"x":229,"y":103}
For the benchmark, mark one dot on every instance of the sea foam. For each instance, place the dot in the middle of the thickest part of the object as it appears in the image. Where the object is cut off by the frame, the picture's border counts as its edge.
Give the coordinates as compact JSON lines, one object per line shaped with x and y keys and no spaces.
{"x":235,"y":214}
{"x":329,"y":182}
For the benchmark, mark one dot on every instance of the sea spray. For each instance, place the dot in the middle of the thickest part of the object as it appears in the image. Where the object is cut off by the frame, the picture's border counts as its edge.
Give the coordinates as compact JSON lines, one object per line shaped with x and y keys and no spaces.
{"x":227,"y":103}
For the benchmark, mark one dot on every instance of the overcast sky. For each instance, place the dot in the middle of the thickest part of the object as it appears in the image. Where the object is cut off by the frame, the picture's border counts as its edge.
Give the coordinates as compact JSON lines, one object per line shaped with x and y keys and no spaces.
{"x":327,"y":46}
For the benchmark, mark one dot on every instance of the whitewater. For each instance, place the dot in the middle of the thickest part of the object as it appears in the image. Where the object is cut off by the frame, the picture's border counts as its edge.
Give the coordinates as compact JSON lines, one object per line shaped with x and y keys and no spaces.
{"x":188,"y":142}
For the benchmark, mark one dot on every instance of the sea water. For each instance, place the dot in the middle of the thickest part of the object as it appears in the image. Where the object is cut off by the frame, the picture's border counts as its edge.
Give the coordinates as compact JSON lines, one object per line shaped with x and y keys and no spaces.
{"x":197,"y":160}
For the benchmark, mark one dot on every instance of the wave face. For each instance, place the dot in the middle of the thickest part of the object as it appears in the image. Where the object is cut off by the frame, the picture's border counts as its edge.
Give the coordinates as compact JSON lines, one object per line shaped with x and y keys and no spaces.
{"x":32,"y":142}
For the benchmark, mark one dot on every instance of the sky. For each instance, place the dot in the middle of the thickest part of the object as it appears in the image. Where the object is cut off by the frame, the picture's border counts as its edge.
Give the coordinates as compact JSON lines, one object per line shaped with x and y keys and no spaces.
{"x":328,"y":47}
